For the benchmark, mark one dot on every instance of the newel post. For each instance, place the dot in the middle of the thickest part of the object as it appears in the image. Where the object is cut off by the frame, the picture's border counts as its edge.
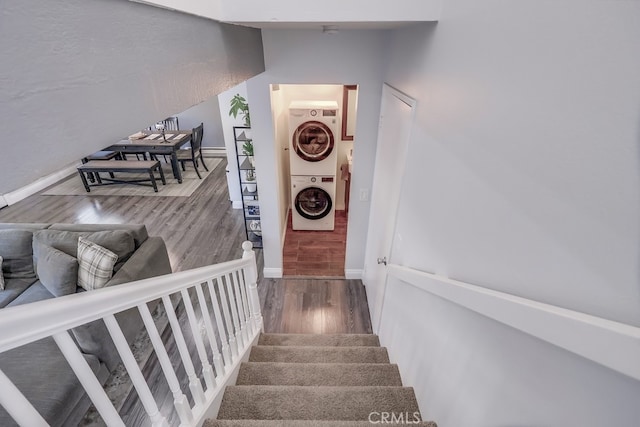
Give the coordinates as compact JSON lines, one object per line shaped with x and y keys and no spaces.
{"x":252,"y":279}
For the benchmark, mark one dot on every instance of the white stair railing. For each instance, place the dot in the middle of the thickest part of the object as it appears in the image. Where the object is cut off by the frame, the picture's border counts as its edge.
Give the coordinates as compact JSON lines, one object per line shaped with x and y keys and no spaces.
{"x":209,"y":294}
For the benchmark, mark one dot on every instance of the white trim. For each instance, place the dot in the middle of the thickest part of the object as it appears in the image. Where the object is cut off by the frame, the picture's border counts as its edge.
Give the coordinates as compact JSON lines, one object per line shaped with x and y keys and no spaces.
{"x":40,"y":184}
{"x":353,"y":274}
{"x":237,"y":204}
{"x":214,"y":151}
{"x":611,"y":344}
{"x":3,"y":202}
{"x":272,"y":273}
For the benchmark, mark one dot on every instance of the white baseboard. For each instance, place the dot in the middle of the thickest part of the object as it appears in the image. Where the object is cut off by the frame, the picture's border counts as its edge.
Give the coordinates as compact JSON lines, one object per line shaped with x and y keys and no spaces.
{"x":272,"y":273}
{"x":353,"y":274}
{"x":236,"y":204}
{"x":214,"y":151}
{"x":3,"y":202}
{"x":42,"y":183}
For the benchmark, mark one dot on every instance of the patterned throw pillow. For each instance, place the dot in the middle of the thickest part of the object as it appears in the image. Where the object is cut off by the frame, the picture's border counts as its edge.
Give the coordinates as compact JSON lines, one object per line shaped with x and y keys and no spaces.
{"x":95,"y":264}
{"x":1,"y":276}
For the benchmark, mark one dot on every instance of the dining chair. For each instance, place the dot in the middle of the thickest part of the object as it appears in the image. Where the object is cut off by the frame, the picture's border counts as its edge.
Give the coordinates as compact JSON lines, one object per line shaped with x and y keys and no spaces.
{"x":171,"y":123}
{"x":194,"y":153}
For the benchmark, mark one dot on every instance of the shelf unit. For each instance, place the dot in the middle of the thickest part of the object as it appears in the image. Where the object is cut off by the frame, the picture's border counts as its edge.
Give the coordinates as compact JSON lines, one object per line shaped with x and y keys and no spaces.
{"x":249,"y":188}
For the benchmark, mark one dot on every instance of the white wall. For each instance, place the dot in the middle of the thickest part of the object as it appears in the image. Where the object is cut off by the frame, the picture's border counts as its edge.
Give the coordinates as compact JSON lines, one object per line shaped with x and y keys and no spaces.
{"x":228,"y":122}
{"x":208,"y":113}
{"x":310,"y":57}
{"x":78,"y":75}
{"x":278,"y":11}
{"x":522,"y":177}
{"x":280,"y":120}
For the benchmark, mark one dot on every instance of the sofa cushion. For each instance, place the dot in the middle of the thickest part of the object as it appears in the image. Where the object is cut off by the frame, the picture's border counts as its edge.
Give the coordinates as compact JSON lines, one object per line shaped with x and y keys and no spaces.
{"x":12,"y":290}
{"x":33,"y":293}
{"x":57,"y":271}
{"x":120,"y":242}
{"x":15,"y":249}
{"x":138,"y":231}
{"x":95,"y":264}
{"x":1,"y":276}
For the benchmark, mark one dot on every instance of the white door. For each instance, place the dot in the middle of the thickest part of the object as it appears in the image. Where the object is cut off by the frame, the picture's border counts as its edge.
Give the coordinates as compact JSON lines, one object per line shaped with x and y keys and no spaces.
{"x":396,"y":117}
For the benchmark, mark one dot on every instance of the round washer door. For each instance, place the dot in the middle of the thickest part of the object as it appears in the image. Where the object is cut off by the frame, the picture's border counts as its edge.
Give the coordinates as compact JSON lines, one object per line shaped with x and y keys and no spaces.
{"x":313,"y":203}
{"x":313,"y":141}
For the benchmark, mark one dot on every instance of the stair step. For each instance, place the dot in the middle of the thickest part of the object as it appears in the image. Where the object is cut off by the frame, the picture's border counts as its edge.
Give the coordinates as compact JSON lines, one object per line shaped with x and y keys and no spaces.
{"x":309,"y":354}
{"x":265,"y":402}
{"x":330,"y":340}
{"x":319,"y":374}
{"x":313,"y":423}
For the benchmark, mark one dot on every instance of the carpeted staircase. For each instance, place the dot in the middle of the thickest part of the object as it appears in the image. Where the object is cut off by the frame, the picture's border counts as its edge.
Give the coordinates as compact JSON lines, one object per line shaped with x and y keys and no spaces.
{"x":318,"y":381}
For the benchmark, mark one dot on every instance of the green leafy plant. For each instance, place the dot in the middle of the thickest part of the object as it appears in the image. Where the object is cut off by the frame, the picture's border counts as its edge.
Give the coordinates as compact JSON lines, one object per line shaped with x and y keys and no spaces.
{"x":247,"y":147}
{"x":240,"y":106}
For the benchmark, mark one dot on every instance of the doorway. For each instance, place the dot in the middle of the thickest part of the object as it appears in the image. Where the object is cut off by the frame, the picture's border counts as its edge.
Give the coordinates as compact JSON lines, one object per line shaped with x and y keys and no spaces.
{"x":314,"y":128}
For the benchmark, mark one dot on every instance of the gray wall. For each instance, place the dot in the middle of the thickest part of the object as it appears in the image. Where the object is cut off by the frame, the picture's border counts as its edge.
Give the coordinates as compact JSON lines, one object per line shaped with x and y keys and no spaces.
{"x":522,"y":177}
{"x":77,"y":75}
{"x":207,"y":113}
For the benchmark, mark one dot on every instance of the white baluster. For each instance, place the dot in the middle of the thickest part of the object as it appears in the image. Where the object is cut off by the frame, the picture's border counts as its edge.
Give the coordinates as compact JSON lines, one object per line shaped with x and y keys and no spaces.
{"x":226,"y":352}
{"x":251,"y":327}
{"x":234,"y":312}
{"x":180,"y":401}
{"x":227,"y":317}
{"x":252,"y":279}
{"x":206,"y":317}
{"x":14,"y":402}
{"x":141,"y":386}
{"x":194,"y":382}
{"x":207,"y":372}
{"x":241,"y":314}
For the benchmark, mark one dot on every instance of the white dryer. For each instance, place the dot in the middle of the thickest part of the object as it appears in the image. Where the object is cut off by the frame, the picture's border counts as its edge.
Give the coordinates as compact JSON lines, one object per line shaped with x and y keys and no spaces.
{"x":313,"y":137}
{"x":312,"y":200}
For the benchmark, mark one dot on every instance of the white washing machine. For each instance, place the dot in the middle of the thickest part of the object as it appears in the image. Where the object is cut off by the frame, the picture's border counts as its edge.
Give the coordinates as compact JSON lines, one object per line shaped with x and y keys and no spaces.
{"x":313,"y":137}
{"x":312,"y":202}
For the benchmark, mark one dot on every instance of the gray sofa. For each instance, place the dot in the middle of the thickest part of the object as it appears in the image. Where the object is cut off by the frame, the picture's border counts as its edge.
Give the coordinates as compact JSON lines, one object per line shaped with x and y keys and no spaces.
{"x":36,"y":261}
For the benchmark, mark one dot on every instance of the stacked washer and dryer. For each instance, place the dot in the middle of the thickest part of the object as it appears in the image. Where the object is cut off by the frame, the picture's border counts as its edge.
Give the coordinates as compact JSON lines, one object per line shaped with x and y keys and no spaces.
{"x":313,"y":155}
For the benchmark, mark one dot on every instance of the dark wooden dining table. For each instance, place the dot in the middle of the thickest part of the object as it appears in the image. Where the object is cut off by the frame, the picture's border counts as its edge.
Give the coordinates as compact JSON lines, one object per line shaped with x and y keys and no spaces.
{"x":155,"y":144}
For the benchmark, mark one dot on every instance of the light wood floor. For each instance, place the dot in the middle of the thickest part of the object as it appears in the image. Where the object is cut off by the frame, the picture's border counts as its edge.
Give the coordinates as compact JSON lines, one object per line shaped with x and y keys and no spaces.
{"x":200,"y":230}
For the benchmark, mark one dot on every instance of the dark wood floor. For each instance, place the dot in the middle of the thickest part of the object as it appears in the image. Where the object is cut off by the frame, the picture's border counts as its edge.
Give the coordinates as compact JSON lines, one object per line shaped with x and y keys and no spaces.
{"x":200,"y":230}
{"x":316,"y":253}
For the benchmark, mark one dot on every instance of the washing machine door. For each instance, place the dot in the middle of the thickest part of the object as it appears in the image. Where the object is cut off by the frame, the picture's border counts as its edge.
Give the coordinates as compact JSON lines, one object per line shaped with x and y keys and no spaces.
{"x":313,"y":203}
{"x":313,"y":141}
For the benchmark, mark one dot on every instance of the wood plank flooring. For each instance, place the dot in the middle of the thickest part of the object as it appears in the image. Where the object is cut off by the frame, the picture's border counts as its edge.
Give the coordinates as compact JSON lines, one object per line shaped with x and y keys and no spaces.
{"x":316,"y":253}
{"x":200,"y":230}
{"x":314,"y":306}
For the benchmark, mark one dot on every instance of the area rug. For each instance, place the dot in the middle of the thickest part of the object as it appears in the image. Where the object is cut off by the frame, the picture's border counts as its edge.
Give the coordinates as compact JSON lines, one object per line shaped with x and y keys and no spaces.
{"x":72,"y":186}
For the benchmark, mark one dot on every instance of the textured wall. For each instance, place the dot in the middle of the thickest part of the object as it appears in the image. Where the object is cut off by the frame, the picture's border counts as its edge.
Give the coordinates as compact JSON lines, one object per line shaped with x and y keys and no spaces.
{"x":77,"y":75}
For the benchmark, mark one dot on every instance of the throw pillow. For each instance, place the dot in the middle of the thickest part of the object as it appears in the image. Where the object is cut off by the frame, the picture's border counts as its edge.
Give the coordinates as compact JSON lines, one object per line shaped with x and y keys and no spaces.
{"x":1,"y":276}
{"x":95,"y":264}
{"x":15,"y":249}
{"x":57,"y":271}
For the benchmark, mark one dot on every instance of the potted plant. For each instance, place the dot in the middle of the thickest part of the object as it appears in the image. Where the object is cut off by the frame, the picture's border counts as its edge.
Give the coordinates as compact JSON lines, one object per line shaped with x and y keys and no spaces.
{"x":247,"y":150}
{"x":250,"y":177}
{"x":240,"y":106}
